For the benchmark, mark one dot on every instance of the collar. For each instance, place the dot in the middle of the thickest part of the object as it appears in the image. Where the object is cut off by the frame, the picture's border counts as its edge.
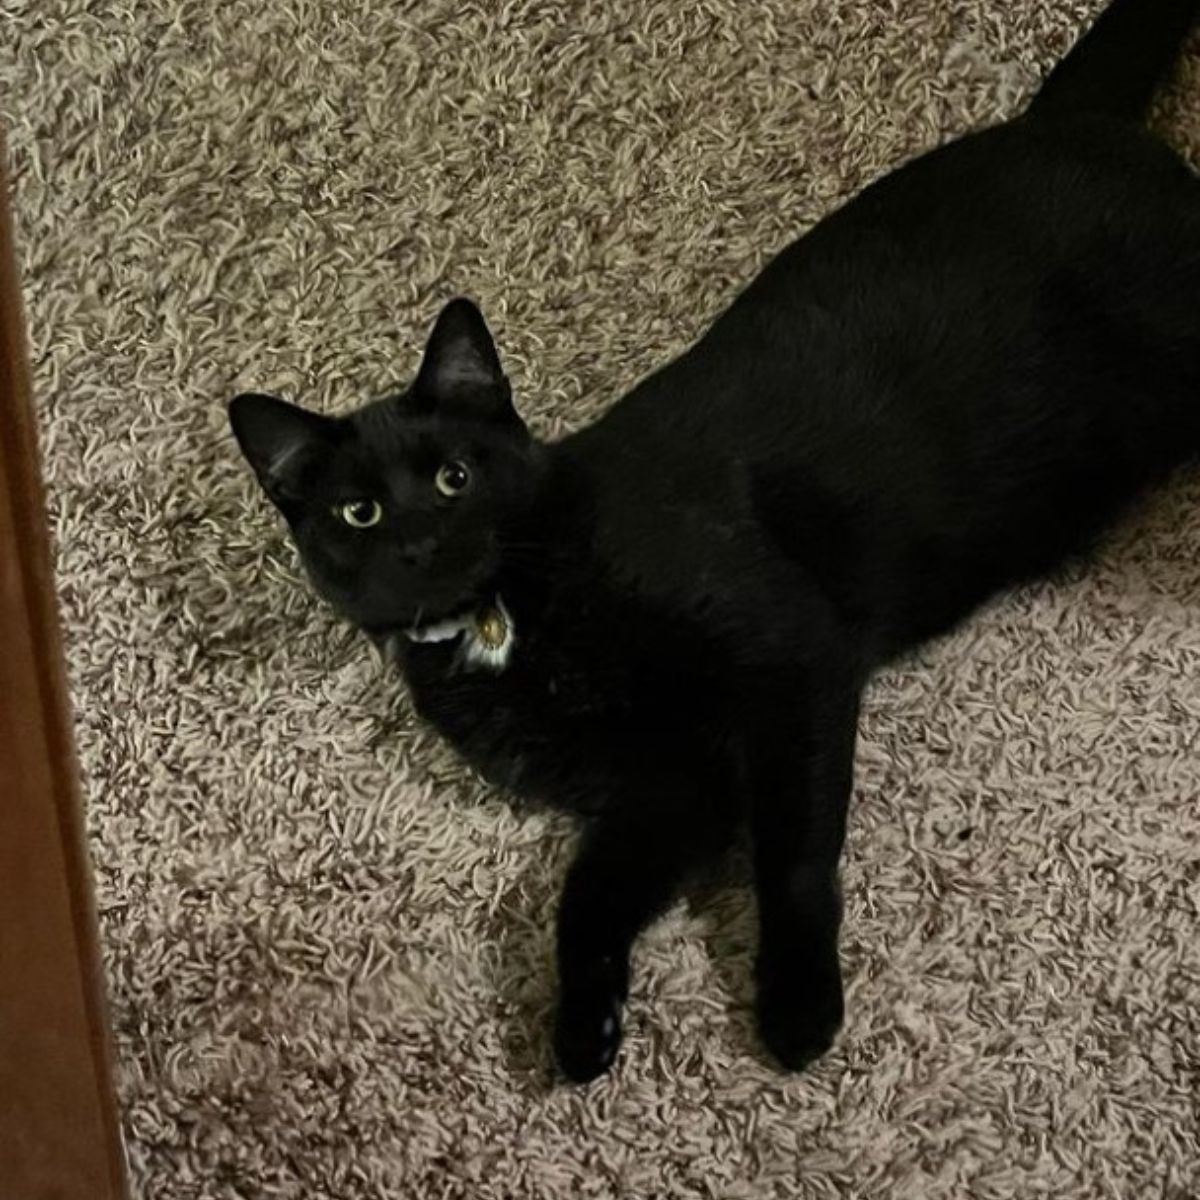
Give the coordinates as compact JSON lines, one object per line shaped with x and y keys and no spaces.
{"x":488,"y":635}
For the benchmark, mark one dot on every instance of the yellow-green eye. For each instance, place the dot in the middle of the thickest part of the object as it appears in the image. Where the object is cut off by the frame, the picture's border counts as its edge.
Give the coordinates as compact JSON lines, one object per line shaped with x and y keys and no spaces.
{"x":360,"y":514}
{"x":453,"y":479}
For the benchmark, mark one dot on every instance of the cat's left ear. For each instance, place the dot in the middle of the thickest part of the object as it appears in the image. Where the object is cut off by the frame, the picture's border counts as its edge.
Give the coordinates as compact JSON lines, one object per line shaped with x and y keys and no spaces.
{"x":461,"y":369}
{"x":280,"y":441}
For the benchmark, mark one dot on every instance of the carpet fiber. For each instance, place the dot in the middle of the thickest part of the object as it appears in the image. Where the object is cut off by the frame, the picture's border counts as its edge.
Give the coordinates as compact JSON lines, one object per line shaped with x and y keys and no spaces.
{"x":329,"y":948}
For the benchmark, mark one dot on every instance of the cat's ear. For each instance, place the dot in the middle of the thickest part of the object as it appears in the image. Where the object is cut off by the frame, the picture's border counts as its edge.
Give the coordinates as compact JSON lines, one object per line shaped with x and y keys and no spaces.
{"x":280,"y":441}
{"x":461,"y":369}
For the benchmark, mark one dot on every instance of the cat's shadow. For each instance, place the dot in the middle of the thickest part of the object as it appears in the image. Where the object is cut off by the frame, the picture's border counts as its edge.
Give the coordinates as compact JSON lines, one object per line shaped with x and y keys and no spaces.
{"x":523,"y":931}
{"x":722,"y":905}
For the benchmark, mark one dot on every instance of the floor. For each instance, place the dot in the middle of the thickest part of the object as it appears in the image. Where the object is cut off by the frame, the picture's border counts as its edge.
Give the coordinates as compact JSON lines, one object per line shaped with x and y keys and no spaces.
{"x":328,"y":946}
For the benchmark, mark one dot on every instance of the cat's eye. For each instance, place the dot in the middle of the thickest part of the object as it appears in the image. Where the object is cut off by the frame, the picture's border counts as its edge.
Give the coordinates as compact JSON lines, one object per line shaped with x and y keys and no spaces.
{"x":360,"y":514}
{"x":453,"y":479}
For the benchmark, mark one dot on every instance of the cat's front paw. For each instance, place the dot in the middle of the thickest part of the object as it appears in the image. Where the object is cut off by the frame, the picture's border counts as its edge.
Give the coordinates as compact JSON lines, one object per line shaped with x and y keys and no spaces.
{"x":587,"y":1033}
{"x":799,"y":1012}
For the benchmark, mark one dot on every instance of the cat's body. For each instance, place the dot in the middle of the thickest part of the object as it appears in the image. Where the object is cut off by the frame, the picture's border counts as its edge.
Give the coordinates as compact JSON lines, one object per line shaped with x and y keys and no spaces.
{"x":946,"y":387}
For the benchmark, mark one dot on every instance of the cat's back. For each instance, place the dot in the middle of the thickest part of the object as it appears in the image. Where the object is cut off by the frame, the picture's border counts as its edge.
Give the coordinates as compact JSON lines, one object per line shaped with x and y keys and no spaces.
{"x":933,"y":278}
{"x":978,"y":359}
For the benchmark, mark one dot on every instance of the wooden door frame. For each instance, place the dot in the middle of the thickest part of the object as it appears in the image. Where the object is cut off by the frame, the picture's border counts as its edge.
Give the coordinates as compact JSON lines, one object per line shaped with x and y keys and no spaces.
{"x":60,"y":1135}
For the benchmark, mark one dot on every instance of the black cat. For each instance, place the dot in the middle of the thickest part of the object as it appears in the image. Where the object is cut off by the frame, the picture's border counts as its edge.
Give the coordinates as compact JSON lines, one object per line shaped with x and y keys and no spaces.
{"x":665,"y":621}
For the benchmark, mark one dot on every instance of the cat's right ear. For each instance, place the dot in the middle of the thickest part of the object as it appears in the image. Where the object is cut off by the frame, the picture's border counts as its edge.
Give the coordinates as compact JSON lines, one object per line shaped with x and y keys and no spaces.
{"x":280,"y":441}
{"x":461,"y":370}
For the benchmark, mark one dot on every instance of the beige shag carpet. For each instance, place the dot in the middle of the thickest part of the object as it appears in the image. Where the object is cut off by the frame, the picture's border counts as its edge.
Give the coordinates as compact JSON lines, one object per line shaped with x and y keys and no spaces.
{"x":329,"y":948}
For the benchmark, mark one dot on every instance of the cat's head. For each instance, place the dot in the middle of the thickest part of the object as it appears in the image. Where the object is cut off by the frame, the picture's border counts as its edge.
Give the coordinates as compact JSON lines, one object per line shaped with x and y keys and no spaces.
{"x":400,"y":508}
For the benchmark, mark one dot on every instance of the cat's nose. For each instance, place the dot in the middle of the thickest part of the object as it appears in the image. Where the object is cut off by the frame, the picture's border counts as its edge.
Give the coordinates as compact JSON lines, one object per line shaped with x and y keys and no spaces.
{"x":419,"y":553}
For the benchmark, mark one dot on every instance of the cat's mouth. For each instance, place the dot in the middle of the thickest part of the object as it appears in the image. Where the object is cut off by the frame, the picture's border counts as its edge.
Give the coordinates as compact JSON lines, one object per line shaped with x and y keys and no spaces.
{"x":429,"y":604}
{"x":428,"y":623}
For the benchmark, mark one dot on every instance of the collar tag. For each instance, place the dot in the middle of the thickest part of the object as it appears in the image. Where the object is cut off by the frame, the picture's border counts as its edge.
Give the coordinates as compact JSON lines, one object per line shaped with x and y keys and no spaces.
{"x":488,"y":636}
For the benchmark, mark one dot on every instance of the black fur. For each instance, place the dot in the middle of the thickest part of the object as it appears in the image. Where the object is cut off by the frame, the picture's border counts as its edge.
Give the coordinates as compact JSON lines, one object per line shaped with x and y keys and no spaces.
{"x":948,"y":386}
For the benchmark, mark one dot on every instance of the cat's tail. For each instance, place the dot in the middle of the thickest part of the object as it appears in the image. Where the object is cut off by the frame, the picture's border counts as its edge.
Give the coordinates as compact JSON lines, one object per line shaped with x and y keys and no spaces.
{"x":1118,"y":64}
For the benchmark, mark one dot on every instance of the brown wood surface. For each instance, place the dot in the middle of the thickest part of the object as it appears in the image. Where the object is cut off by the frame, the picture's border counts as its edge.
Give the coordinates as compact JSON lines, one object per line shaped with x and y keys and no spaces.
{"x":59,"y":1133}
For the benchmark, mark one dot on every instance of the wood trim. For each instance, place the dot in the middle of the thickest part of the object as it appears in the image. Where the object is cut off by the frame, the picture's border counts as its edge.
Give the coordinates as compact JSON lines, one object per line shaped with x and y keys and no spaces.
{"x":59,"y":1129}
